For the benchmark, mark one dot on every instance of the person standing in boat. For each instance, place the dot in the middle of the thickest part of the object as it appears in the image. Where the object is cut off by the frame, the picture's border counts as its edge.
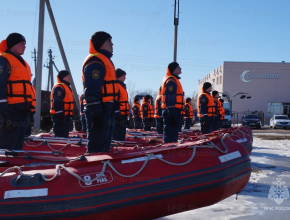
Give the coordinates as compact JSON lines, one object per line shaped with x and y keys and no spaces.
{"x":83,"y":104}
{"x":147,"y":112}
{"x":206,"y":109}
{"x":121,"y":115}
{"x":62,"y":104}
{"x":158,"y":113}
{"x":172,"y":102}
{"x":136,"y":112}
{"x":218,"y":110}
{"x":222,"y":112}
{"x":101,"y":92}
{"x":188,"y":114}
{"x":15,"y":92}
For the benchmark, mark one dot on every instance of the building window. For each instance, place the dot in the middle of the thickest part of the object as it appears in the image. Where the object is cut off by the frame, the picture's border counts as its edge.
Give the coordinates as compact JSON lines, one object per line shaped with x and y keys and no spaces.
{"x":220,"y":79}
{"x":217,"y":80}
{"x":274,"y":108}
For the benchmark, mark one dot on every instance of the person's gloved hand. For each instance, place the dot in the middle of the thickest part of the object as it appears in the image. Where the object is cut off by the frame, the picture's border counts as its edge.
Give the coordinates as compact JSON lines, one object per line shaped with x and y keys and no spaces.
{"x":5,"y":124}
{"x":97,"y":123}
{"x":205,"y":120}
{"x":172,"y":117}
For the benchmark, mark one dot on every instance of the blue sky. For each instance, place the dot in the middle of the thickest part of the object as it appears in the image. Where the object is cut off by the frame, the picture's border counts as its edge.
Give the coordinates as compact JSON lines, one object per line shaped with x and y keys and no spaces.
{"x":209,"y":33}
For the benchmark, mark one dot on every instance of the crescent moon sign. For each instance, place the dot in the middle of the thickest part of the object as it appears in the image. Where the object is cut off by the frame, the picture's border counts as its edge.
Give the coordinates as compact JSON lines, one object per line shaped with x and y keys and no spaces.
{"x":242,"y":76}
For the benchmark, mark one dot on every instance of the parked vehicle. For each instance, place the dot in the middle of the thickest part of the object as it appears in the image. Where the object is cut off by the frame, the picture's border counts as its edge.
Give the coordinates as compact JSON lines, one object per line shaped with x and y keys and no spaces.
{"x":227,"y":122}
{"x":280,"y":121}
{"x":252,"y":120}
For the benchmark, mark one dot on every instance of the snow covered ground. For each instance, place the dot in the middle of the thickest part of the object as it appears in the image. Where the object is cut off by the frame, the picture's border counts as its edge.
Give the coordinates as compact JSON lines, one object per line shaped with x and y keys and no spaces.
{"x":270,"y":163}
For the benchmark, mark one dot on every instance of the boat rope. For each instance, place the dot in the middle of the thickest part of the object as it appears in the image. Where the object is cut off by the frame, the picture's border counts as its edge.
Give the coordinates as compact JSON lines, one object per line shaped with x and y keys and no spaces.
{"x":46,"y":143}
{"x":209,"y":144}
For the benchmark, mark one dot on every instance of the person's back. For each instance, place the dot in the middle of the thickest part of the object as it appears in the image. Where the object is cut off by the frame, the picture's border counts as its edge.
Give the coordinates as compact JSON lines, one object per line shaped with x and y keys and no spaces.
{"x":136,"y":112}
{"x":146,"y":113}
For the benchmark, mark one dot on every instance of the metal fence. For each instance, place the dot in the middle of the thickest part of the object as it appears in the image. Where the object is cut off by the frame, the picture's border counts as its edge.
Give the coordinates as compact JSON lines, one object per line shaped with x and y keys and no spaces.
{"x":237,"y":117}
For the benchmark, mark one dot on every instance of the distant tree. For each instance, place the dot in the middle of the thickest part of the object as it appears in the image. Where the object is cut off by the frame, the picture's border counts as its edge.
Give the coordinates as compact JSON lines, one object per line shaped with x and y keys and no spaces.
{"x":194,"y":98}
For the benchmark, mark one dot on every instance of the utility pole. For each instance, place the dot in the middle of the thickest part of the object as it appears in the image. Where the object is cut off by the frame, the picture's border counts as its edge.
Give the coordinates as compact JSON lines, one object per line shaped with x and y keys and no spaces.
{"x":176,"y":22}
{"x":34,"y":57}
{"x":39,"y":65}
{"x":62,"y":52}
{"x":50,"y":71}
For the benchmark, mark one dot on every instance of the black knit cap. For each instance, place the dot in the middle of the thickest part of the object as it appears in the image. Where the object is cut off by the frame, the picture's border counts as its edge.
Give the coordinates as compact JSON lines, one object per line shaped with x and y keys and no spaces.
{"x":214,"y":92}
{"x":98,"y":38}
{"x":221,"y":100}
{"x":188,"y":100}
{"x":120,"y":72}
{"x":62,"y":74}
{"x":147,"y":97}
{"x":13,"y":39}
{"x":206,"y":85}
{"x":172,"y":66}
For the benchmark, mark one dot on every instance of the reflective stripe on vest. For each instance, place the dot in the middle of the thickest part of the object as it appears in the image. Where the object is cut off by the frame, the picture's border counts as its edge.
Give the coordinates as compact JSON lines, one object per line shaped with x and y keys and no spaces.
{"x":156,"y":115}
{"x":139,"y":110}
{"x":179,"y":99}
{"x":149,"y":110}
{"x":210,"y":106}
{"x":68,"y":100}
{"x":190,"y":111}
{"x":124,"y":104}
{"x":19,"y":87}
{"x":110,"y":91}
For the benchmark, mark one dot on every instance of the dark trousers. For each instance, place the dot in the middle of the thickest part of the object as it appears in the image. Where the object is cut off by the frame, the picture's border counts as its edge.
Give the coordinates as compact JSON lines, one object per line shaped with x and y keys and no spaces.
{"x":138,"y":123}
{"x":13,"y":139}
{"x":84,"y":122}
{"x":170,"y":130}
{"x":216,"y":124}
{"x":180,"y":122}
{"x":147,"y":124}
{"x":159,"y":125}
{"x":119,"y":132}
{"x":208,"y":128}
{"x":187,"y":123}
{"x":100,"y":140}
{"x":60,"y":129}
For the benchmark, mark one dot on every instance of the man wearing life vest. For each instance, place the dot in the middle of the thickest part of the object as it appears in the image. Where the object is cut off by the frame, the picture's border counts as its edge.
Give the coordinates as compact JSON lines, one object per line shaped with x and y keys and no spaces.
{"x":188,"y":114}
{"x":182,"y":115}
{"x":206,"y":109}
{"x":158,"y":113}
{"x":61,"y":104}
{"x":218,"y":110}
{"x":15,"y":92}
{"x":147,"y":113}
{"x":136,"y":112}
{"x":121,"y":115}
{"x":101,"y":92}
{"x":83,"y":104}
{"x":172,"y":102}
{"x":223,"y":112}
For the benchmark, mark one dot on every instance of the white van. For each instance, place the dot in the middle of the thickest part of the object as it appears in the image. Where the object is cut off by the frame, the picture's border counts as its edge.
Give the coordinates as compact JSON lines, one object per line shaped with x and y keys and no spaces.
{"x":227,"y":122}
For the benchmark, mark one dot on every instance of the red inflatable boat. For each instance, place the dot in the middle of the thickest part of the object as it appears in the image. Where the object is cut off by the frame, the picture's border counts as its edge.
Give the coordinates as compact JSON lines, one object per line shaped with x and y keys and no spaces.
{"x":134,"y":183}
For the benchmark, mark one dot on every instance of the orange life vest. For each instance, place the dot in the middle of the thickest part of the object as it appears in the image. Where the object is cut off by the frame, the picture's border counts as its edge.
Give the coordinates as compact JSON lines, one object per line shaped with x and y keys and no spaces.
{"x":136,"y":105}
{"x":156,"y":115}
{"x":149,"y":110}
{"x":210,"y":105}
{"x":33,"y":104}
{"x":190,"y":111}
{"x":68,"y":100}
{"x":19,"y":87}
{"x":124,"y":104}
{"x":179,"y":100}
{"x":110,"y":91}
{"x":223,"y":113}
{"x":219,"y":107}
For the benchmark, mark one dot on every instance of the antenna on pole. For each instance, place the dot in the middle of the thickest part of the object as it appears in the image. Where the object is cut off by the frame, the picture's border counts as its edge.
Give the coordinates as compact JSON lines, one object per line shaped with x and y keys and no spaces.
{"x":35,"y":59}
{"x":176,"y":22}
